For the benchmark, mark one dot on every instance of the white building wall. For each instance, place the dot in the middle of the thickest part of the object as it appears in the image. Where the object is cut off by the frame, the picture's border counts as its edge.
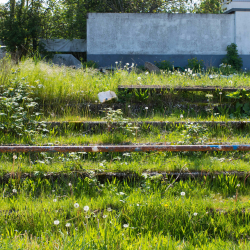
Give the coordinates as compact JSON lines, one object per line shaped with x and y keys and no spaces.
{"x":242,"y":32}
{"x":200,"y":34}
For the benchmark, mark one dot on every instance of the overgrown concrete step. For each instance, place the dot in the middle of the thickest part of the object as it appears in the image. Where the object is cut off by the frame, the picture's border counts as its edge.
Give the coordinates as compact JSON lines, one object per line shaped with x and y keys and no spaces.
{"x":159,"y":88}
{"x":96,"y":125}
{"x":104,"y":176}
{"x":123,"y":148}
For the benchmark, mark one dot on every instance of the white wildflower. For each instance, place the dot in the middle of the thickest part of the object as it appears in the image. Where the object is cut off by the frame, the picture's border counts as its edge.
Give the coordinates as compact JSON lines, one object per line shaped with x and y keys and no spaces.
{"x":86,"y":208}
{"x":76,"y":205}
{"x":56,"y":222}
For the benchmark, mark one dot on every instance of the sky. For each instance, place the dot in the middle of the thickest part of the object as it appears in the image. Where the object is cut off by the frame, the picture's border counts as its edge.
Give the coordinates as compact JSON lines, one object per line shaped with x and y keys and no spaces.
{"x":4,"y":1}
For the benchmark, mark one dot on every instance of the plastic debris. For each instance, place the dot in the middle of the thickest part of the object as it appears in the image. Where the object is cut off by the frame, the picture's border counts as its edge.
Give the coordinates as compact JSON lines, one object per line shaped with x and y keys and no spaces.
{"x":106,"y":96}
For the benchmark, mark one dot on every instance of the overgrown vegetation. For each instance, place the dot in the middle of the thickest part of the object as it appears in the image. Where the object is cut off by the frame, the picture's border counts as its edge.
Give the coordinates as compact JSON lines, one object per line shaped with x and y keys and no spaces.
{"x":119,"y":214}
{"x":74,"y":201}
{"x":232,"y":58}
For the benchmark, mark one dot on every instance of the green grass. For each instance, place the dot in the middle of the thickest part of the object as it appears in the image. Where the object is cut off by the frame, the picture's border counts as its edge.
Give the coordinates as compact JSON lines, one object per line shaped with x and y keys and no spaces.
{"x":179,"y":134}
{"x":125,"y":215}
{"x":143,"y":213}
{"x":56,"y":84}
{"x":36,"y":163}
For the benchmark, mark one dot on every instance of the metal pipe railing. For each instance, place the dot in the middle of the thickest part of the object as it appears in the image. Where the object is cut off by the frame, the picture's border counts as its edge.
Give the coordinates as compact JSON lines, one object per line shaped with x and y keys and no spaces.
{"x":126,"y":148}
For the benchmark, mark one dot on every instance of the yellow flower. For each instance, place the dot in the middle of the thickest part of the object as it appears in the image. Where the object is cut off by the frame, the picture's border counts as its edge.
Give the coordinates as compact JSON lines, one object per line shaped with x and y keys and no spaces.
{"x":166,"y":205}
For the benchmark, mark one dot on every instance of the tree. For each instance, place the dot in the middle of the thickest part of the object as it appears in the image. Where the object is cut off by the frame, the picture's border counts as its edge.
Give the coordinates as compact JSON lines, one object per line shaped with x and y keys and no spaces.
{"x":20,"y":26}
{"x":209,"y":7}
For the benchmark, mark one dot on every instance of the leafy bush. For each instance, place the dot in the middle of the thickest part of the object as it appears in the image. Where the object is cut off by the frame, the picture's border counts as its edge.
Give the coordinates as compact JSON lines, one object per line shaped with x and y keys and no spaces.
{"x":164,"y":65}
{"x":18,"y":110}
{"x":232,"y":58}
{"x":195,"y":64}
{"x":90,"y":64}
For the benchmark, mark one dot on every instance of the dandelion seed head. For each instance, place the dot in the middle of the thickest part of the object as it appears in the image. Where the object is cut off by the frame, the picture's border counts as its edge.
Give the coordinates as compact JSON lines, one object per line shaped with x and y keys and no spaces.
{"x":14,"y":190}
{"x":86,"y":208}
{"x":67,"y":225}
{"x":182,"y":193}
{"x":195,"y":214}
{"x":56,"y":222}
{"x":125,"y":225}
{"x":55,"y":200}
{"x":76,"y":205}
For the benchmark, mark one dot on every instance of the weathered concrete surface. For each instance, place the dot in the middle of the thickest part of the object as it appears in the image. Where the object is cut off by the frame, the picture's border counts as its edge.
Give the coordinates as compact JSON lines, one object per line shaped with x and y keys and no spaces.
{"x":124,"y":148}
{"x":152,"y":34}
{"x":137,"y":38}
{"x":151,"y":67}
{"x":242,"y":32}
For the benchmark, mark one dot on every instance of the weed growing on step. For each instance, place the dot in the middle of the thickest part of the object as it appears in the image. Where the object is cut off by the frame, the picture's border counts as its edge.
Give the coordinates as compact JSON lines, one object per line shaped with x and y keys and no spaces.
{"x":19,"y":113}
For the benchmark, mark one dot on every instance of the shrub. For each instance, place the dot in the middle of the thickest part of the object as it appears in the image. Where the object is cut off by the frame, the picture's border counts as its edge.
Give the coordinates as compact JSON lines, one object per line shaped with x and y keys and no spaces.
{"x":164,"y":65}
{"x":195,"y":64}
{"x":18,"y":110}
{"x":90,"y":64}
{"x":232,"y":58}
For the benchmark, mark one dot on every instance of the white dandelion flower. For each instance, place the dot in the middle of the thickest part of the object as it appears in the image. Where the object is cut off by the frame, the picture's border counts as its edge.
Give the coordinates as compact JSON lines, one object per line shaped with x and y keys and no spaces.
{"x":56,"y":222}
{"x":86,"y":208}
{"x":76,"y":205}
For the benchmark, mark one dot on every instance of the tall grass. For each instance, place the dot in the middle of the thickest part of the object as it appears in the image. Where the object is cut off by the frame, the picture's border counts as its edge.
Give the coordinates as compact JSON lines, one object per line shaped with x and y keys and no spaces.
{"x":63,"y":84}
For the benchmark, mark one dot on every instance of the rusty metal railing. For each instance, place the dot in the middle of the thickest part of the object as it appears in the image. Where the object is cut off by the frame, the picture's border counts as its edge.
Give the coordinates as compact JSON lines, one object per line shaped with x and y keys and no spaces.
{"x":126,"y":148}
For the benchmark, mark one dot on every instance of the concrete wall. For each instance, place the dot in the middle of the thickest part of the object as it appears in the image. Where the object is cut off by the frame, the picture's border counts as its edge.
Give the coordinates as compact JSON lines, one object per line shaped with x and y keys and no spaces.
{"x":176,"y":37}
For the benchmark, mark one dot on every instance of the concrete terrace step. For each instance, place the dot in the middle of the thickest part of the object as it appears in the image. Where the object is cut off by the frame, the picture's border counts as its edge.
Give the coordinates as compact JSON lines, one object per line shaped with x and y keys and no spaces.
{"x":61,"y":176}
{"x":125,"y":148}
{"x":162,"y":124}
{"x":165,"y":87}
